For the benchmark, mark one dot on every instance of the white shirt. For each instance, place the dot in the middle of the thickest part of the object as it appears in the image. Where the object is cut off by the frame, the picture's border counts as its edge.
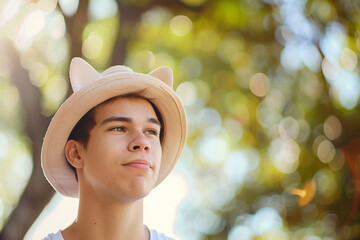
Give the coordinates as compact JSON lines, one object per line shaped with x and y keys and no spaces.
{"x":154,"y":235}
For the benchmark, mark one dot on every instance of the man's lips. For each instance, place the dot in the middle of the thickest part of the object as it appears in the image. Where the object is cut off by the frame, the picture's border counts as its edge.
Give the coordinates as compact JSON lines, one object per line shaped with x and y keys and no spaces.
{"x":139,"y":163}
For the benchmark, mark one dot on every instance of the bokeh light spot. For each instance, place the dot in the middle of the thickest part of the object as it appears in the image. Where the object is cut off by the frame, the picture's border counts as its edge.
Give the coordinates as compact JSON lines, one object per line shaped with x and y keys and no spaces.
{"x":208,"y":120}
{"x":203,"y":92}
{"x":267,"y":117}
{"x":22,"y":166}
{"x":241,"y":63}
{"x":330,"y":68}
{"x":311,"y":56}
{"x":190,"y":67}
{"x":322,"y":9}
{"x":285,"y":155}
{"x":327,"y":185}
{"x":47,"y":6}
{"x":213,"y":149}
{"x":326,"y":151}
{"x":92,"y":46}
{"x":38,"y":74}
{"x":347,"y":86}
{"x":266,"y":219}
{"x":236,"y":167}
{"x":304,"y":131}
{"x":338,"y":162}
{"x":230,"y":48}
{"x":33,"y":23}
{"x":56,"y":25}
{"x":290,"y":57}
{"x":69,"y":7}
{"x":234,"y":128}
{"x":289,"y":128}
{"x":241,"y":112}
{"x":259,"y":84}
{"x":207,"y":221}
{"x":332,"y":127}
{"x":348,"y":59}
{"x":240,"y":164}
{"x":102,"y":9}
{"x":311,"y":86}
{"x":187,"y":93}
{"x":164,"y":59}
{"x":144,"y":59}
{"x":240,"y":232}
{"x":180,"y":25}
{"x":54,"y":92}
{"x":9,"y":10}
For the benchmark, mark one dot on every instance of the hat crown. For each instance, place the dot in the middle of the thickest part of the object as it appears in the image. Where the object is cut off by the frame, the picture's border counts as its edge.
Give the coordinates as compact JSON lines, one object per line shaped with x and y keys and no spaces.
{"x":83,"y":74}
{"x":116,"y":70}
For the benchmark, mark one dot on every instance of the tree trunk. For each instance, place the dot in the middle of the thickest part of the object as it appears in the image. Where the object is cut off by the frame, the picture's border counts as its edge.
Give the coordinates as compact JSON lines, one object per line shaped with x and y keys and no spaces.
{"x":38,"y":192}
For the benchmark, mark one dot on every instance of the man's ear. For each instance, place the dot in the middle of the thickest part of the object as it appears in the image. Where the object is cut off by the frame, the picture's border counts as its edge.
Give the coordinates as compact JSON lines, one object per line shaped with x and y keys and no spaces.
{"x":73,"y":153}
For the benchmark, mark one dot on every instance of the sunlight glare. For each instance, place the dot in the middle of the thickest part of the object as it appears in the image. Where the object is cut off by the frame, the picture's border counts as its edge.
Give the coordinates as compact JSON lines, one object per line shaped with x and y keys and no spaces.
{"x":61,"y":211}
{"x":33,"y":23}
{"x":166,"y":197}
{"x":58,"y":214}
{"x":9,"y":10}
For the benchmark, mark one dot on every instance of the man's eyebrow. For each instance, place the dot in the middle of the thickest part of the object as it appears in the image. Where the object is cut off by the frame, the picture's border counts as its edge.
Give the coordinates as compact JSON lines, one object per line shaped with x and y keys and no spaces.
{"x":154,"y":120}
{"x":126,"y":119}
{"x":116,"y":119}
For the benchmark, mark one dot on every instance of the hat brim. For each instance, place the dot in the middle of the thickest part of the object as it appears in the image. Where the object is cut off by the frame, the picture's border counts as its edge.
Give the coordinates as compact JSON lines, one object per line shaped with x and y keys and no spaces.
{"x":53,"y":160}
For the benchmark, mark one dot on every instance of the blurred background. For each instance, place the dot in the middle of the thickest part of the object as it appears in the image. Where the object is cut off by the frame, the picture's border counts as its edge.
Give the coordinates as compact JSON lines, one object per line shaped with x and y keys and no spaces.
{"x":271,"y":90}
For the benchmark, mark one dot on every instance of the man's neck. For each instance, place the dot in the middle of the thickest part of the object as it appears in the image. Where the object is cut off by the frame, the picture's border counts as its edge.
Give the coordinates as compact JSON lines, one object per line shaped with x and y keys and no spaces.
{"x":112,"y":221}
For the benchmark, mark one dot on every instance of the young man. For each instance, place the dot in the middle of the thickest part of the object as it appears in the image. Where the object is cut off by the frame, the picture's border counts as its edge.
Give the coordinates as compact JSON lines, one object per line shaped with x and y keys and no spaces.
{"x":109,"y":144}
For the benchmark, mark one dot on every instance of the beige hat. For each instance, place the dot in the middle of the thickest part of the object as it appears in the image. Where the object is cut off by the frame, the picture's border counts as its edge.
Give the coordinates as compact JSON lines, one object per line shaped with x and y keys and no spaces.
{"x":92,"y":88}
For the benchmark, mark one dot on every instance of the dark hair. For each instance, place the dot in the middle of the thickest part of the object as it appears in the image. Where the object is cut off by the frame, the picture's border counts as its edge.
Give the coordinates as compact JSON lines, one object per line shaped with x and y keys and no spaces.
{"x":81,"y":131}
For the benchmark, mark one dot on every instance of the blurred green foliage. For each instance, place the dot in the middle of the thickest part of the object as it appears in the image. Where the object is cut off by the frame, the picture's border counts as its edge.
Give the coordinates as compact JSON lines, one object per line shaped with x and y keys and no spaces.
{"x":271,"y":90}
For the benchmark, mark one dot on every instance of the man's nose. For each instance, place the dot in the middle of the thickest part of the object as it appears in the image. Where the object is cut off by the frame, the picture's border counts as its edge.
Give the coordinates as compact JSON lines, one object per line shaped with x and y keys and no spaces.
{"x":139,"y":143}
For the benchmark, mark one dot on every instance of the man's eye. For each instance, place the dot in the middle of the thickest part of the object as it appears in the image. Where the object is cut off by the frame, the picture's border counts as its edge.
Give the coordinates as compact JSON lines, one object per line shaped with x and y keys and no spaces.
{"x":151,"y":132}
{"x":118,"y":129}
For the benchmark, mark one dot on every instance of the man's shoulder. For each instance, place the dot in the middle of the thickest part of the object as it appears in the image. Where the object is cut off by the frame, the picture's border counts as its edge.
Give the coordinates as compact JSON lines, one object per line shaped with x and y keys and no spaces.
{"x":54,"y":236}
{"x":155,"y":235}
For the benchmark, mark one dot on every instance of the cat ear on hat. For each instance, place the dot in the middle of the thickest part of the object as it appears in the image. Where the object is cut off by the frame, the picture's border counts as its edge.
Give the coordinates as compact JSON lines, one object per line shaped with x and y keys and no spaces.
{"x":82,"y":74}
{"x":165,"y":74}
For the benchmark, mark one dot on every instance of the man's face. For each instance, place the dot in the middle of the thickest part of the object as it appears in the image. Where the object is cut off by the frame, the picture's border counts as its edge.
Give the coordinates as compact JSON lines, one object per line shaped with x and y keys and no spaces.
{"x":123,"y":155}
